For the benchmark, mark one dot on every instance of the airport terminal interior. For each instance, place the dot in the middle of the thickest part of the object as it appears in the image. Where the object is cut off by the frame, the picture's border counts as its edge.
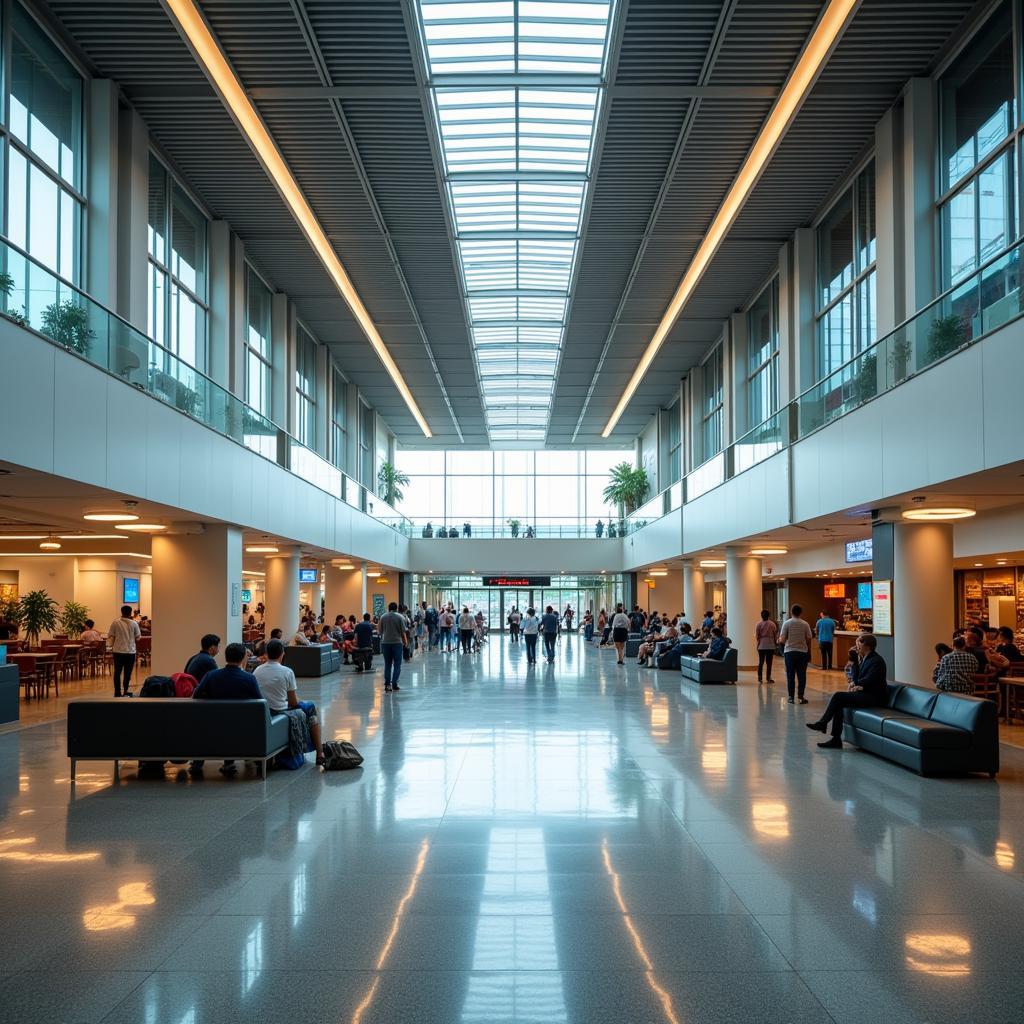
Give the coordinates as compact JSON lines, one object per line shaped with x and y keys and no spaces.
{"x":511,"y":511}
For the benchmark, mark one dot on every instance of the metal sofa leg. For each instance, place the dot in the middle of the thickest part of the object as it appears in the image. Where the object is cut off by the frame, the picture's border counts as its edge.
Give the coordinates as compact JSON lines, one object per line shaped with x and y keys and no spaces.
{"x":117,"y":771}
{"x":74,"y":768}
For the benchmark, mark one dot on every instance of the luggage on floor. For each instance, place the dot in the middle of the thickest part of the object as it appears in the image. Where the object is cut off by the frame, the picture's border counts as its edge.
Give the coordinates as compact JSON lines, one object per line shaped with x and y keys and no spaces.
{"x":340,"y":755}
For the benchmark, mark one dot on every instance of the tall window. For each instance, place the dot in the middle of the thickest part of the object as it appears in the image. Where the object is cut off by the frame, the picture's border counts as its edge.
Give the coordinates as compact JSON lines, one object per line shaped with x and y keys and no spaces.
{"x":763,"y":355}
{"x":305,"y":388}
{"x":711,"y":405}
{"x":257,"y":343}
{"x":178,"y":309}
{"x":366,"y":446}
{"x":339,"y":430}
{"x":45,"y":203}
{"x":846,"y":304}
{"x":978,"y":117}
{"x":675,"y":443}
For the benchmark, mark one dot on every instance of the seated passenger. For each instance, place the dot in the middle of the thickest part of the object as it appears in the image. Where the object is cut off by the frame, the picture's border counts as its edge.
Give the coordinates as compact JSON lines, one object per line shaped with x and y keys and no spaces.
{"x":304,"y":636}
{"x":277,"y":684}
{"x":203,"y":661}
{"x":867,"y":690}
{"x":956,"y":669}
{"x":229,"y":683}
{"x":719,"y":645}
{"x":90,"y":634}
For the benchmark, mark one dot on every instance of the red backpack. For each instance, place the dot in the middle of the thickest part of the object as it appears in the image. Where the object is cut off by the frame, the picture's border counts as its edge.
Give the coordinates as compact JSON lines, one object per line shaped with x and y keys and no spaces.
{"x":184,"y":684}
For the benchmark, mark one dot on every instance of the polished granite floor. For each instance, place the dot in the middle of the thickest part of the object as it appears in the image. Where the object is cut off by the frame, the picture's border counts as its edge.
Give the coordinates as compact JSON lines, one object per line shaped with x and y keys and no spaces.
{"x":570,"y":843}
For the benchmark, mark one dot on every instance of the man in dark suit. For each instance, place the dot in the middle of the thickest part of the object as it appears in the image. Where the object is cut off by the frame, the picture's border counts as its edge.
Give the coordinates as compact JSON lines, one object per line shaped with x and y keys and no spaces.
{"x":867,"y":690}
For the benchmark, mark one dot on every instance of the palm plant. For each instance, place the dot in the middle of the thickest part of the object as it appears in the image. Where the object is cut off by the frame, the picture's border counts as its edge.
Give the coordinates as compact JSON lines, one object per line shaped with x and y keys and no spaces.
{"x":627,"y":486}
{"x":10,"y":612}
{"x":68,"y":324}
{"x":38,"y":615}
{"x":72,"y":618}
{"x":390,"y":482}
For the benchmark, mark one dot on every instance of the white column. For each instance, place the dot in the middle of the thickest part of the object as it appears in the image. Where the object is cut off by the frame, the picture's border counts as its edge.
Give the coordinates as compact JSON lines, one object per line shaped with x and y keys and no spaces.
{"x":693,"y":593}
{"x":362,"y":573}
{"x":323,"y":402}
{"x":890,"y":304}
{"x":343,"y":593}
{"x":101,"y":211}
{"x":919,"y":219}
{"x":743,"y":602}
{"x":787,"y":327}
{"x":283,"y":592}
{"x":922,"y":597}
{"x":803,"y":345}
{"x":197,"y":589}
{"x":133,"y":220}
{"x":282,"y":373}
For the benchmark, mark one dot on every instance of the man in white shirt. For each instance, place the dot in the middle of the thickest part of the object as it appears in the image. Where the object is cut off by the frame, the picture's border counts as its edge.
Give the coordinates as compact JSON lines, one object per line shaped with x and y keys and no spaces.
{"x":531,"y":629}
{"x":796,"y":635}
{"x":466,"y":626}
{"x":123,"y":633}
{"x":277,"y":684}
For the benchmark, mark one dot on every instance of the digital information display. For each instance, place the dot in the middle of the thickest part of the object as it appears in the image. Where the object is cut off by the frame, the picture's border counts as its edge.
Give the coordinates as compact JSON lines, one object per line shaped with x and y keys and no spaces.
{"x":130,"y":590}
{"x":516,"y":581}
{"x":308,"y":575}
{"x":859,"y":550}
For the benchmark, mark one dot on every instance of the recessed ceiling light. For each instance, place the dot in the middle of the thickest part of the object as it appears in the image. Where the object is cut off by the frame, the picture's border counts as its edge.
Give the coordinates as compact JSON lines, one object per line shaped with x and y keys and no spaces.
{"x":712,"y":563}
{"x":1000,"y":561}
{"x":978,"y":565}
{"x":91,"y":536}
{"x":769,"y":551}
{"x":659,"y":572}
{"x":938,"y":515}
{"x":23,"y":536}
{"x":373,"y":572}
{"x":109,"y":515}
{"x":262,"y":549}
{"x":141,"y":527}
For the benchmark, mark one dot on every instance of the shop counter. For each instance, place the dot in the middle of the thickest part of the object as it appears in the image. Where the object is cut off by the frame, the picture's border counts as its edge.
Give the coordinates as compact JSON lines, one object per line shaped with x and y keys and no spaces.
{"x":844,"y":641}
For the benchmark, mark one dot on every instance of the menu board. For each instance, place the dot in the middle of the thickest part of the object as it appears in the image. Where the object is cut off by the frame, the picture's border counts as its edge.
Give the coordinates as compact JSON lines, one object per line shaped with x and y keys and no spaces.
{"x":881,"y":607}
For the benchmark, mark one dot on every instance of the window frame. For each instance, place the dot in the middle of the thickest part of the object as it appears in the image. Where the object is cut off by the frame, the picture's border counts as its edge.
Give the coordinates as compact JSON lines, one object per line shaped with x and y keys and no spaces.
{"x":769,"y":363}
{"x":853,"y":290}
{"x":713,"y":415}
{"x":339,"y":425}
{"x":171,"y":280}
{"x":306,"y":398}
{"x":252,"y":353}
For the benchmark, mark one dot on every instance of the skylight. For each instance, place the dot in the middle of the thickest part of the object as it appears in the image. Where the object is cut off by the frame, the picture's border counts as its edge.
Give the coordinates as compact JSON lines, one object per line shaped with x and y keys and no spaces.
{"x":516,"y":87}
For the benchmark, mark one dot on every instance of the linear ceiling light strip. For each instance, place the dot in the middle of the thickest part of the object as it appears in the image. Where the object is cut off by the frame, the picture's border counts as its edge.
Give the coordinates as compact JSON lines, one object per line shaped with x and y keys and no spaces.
{"x":801,"y":79}
{"x":517,"y":154}
{"x":185,"y":14}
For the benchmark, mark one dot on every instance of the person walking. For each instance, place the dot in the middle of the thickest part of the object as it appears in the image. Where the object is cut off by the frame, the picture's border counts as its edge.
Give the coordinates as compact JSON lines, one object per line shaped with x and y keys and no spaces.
{"x":620,"y":633}
{"x":796,"y":639}
{"x":466,"y":626}
{"x":394,"y":636}
{"x":514,"y":618}
{"x":549,"y":624}
{"x":531,"y":627}
{"x":766,"y":635}
{"x":123,"y":633}
{"x":825,"y":629}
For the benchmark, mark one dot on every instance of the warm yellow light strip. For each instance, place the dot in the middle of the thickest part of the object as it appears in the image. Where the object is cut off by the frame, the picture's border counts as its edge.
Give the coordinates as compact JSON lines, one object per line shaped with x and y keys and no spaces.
{"x":191,"y":24}
{"x":828,"y":30}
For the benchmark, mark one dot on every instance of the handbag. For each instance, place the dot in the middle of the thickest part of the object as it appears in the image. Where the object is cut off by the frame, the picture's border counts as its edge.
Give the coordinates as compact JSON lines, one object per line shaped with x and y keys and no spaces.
{"x":340,"y":755}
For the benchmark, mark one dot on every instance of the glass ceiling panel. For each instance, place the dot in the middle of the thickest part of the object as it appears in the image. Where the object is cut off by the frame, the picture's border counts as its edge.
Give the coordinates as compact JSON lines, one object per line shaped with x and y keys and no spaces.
{"x":517,"y":154}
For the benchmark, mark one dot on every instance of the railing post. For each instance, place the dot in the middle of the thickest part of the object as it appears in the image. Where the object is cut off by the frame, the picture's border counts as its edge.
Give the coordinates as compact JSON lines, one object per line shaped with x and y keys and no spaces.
{"x":283,"y":451}
{"x":793,"y":426}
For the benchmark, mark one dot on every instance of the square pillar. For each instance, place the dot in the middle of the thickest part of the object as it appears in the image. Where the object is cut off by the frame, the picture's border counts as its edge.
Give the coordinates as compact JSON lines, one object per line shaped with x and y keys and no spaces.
{"x":102,"y":176}
{"x":197,"y":589}
{"x":132,"y":222}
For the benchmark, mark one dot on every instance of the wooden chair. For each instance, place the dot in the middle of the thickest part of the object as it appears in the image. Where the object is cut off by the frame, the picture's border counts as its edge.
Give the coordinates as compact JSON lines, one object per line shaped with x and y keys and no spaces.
{"x":49,"y":673}
{"x":987,"y":688}
{"x":28,"y":676}
{"x":144,"y":650}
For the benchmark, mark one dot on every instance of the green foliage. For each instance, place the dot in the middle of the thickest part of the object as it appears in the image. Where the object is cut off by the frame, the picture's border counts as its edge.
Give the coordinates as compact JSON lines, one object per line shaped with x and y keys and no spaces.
{"x":6,"y":283}
{"x":38,"y":614}
{"x":72,"y":618}
{"x":390,"y":482}
{"x":10,"y":611}
{"x":865,"y":384}
{"x":68,"y":324}
{"x":945,"y":335}
{"x":627,"y":486}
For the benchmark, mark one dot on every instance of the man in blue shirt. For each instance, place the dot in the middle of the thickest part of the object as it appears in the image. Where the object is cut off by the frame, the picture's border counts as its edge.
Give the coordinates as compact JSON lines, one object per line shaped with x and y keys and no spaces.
{"x":229,"y":683}
{"x":549,"y":627}
{"x":201,"y":664}
{"x":825,"y":628}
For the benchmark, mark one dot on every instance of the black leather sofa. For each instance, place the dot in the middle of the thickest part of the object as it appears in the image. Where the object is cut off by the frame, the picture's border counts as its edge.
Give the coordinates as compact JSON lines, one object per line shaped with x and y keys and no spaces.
{"x":314,"y":660}
{"x":672,"y":658}
{"x":710,"y":670}
{"x":928,"y":731}
{"x":170,"y":729}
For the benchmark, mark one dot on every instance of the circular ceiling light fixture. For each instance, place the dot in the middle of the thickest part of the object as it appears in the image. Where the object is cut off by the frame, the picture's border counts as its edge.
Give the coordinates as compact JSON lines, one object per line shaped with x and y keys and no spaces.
{"x":712,"y":563}
{"x":938,"y":515}
{"x":769,"y":550}
{"x":109,"y":515}
{"x":140,"y":527}
{"x":50,"y":544}
{"x":262,"y":549}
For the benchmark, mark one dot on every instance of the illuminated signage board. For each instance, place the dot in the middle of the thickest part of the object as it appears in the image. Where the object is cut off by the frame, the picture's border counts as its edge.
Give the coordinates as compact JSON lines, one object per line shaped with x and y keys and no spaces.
{"x":309,"y":576}
{"x":835,"y":590}
{"x":859,"y":550}
{"x":516,"y":581}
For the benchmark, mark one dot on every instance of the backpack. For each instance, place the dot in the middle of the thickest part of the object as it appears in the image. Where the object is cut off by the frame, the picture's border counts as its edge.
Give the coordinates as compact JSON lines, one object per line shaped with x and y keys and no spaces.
{"x":340,"y":755}
{"x":157,"y":686}
{"x":184,"y":684}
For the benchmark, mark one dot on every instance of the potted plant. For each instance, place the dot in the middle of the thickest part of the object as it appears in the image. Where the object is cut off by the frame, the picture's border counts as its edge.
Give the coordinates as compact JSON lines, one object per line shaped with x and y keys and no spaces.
{"x":945,"y":335}
{"x":627,"y":487}
{"x":38,"y":615}
{"x":10,"y":613}
{"x":72,"y":618}
{"x":513,"y":525}
{"x":865,"y":384}
{"x":68,"y":324}
{"x":899,"y":357}
{"x":6,"y":287}
{"x":390,"y":482}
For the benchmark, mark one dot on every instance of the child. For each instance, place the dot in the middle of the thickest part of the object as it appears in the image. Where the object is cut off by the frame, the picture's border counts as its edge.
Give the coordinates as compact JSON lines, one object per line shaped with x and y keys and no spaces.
{"x":852,"y":661}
